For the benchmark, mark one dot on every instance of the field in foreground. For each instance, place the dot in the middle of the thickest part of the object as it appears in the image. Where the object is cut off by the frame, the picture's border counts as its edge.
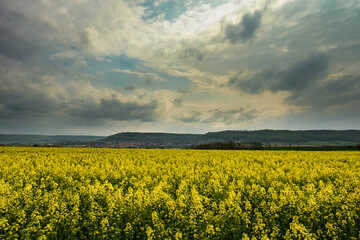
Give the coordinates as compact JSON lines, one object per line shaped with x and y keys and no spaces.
{"x":48,"y":193}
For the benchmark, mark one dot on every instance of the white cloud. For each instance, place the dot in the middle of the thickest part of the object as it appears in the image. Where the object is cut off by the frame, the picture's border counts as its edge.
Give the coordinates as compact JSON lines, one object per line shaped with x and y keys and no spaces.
{"x":143,"y":75}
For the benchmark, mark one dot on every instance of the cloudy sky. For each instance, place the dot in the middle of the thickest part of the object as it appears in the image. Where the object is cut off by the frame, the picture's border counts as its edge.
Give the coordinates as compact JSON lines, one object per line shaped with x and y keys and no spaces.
{"x":106,"y":66}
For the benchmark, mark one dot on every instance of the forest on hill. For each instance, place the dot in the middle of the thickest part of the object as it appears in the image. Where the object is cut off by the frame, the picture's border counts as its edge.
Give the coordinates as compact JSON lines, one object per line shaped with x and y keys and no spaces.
{"x":266,"y":137}
{"x":308,"y":137}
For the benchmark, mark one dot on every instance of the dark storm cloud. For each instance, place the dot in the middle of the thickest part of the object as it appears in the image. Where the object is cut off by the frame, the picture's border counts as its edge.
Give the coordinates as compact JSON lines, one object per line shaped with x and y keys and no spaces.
{"x":245,"y":29}
{"x":22,"y":35}
{"x":15,"y":39}
{"x":22,"y":103}
{"x":26,"y":92}
{"x":15,"y":46}
{"x":297,"y":77}
{"x":305,"y":81}
{"x":114,"y":109}
{"x":342,"y":92}
{"x":253,"y":85}
{"x":301,"y":75}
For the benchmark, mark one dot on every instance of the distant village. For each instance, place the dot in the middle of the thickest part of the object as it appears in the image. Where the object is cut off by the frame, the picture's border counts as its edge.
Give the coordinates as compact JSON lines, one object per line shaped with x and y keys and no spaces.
{"x":106,"y":144}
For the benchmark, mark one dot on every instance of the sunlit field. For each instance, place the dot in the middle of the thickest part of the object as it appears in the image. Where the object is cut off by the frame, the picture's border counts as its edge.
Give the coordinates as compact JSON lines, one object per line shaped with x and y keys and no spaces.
{"x":62,"y":193}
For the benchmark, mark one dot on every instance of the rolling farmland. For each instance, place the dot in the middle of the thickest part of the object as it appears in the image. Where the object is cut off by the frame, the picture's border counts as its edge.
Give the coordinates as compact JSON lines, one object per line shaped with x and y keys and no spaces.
{"x":62,"y":193}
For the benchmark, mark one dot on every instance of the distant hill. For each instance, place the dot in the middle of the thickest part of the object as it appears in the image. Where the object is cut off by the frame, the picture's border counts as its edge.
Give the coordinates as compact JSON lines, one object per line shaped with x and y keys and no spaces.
{"x":44,"y":139}
{"x":306,"y":137}
{"x":136,"y":137}
{"x":287,"y":136}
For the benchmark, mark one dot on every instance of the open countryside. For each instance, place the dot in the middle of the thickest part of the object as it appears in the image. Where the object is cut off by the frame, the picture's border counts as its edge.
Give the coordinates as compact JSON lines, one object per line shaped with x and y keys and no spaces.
{"x":179,"y":119}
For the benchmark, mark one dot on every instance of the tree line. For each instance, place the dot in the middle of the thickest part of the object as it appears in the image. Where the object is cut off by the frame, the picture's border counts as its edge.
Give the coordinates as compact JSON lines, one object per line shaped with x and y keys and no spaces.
{"x":228,"y":145}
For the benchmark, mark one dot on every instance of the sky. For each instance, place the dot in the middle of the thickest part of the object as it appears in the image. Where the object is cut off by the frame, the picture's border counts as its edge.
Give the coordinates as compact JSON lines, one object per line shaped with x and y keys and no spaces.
{"x":99,"y":67}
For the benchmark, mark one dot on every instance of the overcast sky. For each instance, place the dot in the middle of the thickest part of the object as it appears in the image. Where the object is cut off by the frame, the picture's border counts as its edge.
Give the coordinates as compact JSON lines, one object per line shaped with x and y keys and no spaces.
{"x":106,"y":66}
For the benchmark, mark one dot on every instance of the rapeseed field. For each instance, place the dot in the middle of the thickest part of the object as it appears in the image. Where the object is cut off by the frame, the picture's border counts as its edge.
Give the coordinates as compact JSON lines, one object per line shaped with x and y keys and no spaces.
{"x":63,"y":193}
